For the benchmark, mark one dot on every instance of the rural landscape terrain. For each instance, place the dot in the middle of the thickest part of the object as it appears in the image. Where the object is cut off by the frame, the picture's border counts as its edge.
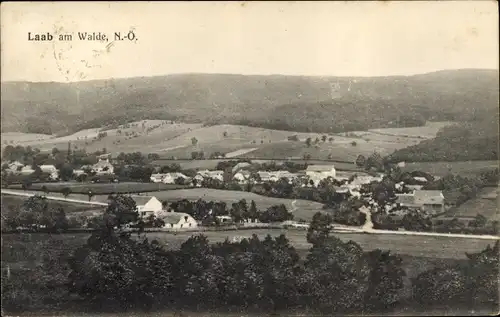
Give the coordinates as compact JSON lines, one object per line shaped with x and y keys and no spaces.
{"x":435,"y":132}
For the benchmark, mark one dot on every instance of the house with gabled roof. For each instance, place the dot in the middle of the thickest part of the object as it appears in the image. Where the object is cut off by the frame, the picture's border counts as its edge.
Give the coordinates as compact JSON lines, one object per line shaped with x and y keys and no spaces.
{"x":15,"y":166}
{"x":103,"y":166}
{"x":240,"y":166}
{"x":178,"y":220}
{"x":242,"y":176}
{"x":219,"y":175}
{"x":317,"y":173}
{"x":171,"y":178}
{"x":147,"y":205}
{"x":431,"y":201}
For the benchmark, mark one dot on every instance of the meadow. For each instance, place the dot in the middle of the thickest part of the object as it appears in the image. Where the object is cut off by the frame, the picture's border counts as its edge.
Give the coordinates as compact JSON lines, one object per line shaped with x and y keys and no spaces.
{"x":70,"y":208}
{"x":464,"y":168}
{"x":179,"y":140}
{"x":486,"y":203}
{"x":103,"y":188}
{"x":304,"y":209}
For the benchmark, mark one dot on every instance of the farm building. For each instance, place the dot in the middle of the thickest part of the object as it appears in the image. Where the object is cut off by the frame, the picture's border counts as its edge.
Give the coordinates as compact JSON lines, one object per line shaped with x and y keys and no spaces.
{"x":241,"y":176}
{"x":170,"y":178}
{"x":15,"y":166}
{"x":50,"y":169}
{"x":224,"y":219}
{"x":316,"y":173}
{"x":26,"y":170}
{"x":240,"y":166}
{"x":219,"y":175}
{"x":178,"y":220}
{"x":78,"y":172}
{"x":157,"y":178}
{"x":147,"y":205}
{"x":428,"y":200}
{"x":420,"y":179}
{"x":103,"y":166}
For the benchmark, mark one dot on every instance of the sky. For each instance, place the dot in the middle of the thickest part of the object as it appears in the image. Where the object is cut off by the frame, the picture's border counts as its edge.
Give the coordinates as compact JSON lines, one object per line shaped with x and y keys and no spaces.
{"x":292,"y":38}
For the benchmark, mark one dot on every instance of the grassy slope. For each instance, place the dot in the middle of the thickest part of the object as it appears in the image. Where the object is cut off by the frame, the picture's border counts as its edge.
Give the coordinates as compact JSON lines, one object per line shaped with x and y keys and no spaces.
{"x":466,"y":168}
{"x":15,"y":202}
{"x":175,"y":140}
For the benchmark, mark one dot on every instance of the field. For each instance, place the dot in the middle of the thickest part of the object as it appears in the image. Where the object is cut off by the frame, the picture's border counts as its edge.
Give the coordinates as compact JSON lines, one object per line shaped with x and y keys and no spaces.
{"x":70,"y":208}
{"x":305,"y":209}
{"x":103,"y":189}
{"x":176,"y":140}
{"x":146,"y":138}
{"x":468,"y":168}
{"x":19,"y":138}
{"x":212,"y":163}
{"x":428,"y":132}
{"x":487,"y":203}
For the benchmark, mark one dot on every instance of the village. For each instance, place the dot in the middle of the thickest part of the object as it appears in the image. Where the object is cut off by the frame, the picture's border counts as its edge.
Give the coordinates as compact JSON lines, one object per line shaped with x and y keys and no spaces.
{"x":359,"y":192}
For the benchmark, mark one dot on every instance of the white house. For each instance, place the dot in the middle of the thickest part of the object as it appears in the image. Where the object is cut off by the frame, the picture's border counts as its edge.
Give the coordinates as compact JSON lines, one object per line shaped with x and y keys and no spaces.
{"x":147,"y":205}
{"x":428,"y":200}
{"x":240,"y":166}
{"x":157,"y":178}
{"x":264,"y":176}
{"x":26,"y":170}
{"x":316,"y":173}
{"x":50,"y":169}
{"x":219,"y":175}
{"x":362,"y":180}
{"x":241,"y":176}
{"x":15,"y":166}
{"x":170,"y":178}
{"x":420,"y":179}
{"x":224,"y":219}
{"x":103,"y":167}
{"x":178,"y":220}
{"x":78,"y":172}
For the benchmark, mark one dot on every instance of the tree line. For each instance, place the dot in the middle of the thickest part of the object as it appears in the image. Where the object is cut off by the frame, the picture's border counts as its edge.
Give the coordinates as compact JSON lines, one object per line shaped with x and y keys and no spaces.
{"x":267,"y":274}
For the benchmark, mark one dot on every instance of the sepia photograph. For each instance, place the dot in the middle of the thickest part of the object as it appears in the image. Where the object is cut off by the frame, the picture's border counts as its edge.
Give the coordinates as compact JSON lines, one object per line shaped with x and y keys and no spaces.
{"x":250,"y":158}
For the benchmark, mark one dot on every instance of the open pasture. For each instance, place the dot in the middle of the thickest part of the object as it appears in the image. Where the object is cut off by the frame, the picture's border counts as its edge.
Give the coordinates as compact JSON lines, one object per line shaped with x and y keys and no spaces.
{"x":463,"y":168}
{"x":487,"y":203}
{"x":336,"y":150}
{"x":179,"y":140}
{"x":12,"y":202}
{"x":303,"y":208}
{"x":426,"y":132}
{"x":103,"y":188}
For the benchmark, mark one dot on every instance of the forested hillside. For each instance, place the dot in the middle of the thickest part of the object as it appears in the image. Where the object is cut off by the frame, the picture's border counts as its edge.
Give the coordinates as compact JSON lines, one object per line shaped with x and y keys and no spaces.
{"x":320,"y":104}
{"x":477,"y":140}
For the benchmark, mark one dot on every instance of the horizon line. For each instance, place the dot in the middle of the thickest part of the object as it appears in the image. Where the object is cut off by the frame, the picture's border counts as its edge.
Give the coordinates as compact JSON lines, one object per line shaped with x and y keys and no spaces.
{"x":250,"y":75}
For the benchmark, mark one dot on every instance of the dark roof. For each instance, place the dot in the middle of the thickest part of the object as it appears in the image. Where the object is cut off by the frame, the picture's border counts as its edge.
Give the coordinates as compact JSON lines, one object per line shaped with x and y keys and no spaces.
{"x":141,"y":200}
{"x":173,"y":217}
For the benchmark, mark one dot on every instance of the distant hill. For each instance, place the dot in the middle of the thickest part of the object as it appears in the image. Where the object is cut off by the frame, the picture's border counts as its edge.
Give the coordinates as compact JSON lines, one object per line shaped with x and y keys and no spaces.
{"x":319,"y":104}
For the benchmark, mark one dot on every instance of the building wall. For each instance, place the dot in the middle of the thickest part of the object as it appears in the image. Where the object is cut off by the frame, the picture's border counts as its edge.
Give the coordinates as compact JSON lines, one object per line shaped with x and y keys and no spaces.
{"x":182,"y":224}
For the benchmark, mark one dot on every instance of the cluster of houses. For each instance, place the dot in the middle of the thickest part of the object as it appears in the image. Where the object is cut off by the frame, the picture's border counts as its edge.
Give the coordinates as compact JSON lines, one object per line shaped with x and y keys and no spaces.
{"x":18,"y":168}
{"x":102,"y":167}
